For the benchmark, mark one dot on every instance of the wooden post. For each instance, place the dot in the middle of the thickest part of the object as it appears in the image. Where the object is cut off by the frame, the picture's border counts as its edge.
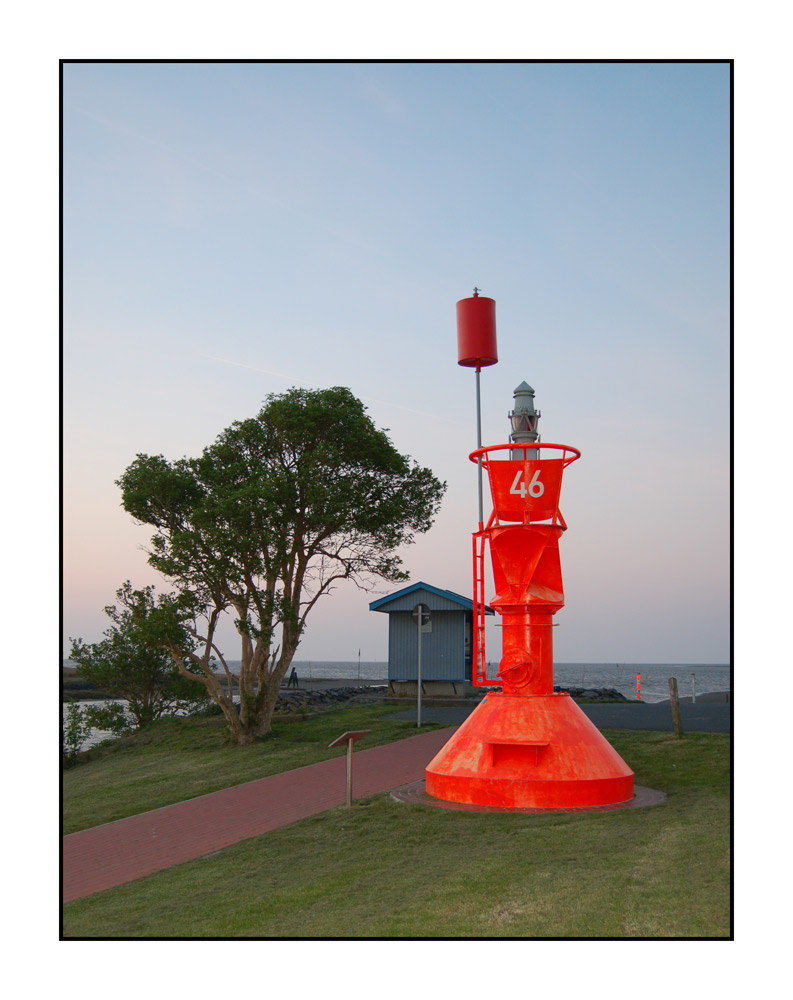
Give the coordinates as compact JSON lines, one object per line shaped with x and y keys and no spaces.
{"x":675,"y":703}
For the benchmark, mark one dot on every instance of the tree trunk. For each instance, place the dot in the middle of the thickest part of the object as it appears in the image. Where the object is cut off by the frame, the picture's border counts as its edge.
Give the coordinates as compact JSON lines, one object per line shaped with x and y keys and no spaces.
{"x":215,"y":691}
{"x":264,"y":724}
{"x":259,"y":722}
{"x":253,"y":720}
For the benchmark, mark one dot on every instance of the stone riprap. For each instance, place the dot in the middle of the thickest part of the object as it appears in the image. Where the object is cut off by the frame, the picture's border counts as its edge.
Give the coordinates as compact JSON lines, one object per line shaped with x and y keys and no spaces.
{"x":300,"y":701}
{"x":593,"y":694}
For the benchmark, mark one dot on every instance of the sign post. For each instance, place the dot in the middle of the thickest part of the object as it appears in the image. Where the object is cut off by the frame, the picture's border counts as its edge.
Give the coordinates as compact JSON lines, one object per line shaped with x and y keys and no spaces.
{"x":422,"y":615}
{"x":349,"y":738}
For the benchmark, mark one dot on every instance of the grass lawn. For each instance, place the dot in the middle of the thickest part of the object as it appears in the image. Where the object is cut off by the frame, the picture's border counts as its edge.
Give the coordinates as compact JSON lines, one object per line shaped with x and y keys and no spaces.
{"x":389,"y":869}
{"x":177,"y":759}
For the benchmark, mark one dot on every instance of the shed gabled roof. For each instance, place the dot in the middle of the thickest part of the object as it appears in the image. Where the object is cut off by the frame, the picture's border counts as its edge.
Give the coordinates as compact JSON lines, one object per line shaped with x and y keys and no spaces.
{"x":445,"y":595}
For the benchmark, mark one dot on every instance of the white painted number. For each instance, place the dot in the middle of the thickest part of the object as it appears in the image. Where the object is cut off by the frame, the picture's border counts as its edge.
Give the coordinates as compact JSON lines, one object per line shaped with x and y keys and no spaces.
{"x":535,"y":489}
{"x":520,"y":490}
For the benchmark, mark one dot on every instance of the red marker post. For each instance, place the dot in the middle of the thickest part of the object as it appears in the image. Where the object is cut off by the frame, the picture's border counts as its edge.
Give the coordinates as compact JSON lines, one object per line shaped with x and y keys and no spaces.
{"x":638,"y":687}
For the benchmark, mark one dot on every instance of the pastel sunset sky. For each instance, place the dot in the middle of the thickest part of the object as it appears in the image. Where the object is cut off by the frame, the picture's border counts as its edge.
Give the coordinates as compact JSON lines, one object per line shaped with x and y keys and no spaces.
{"x":231,"y":230}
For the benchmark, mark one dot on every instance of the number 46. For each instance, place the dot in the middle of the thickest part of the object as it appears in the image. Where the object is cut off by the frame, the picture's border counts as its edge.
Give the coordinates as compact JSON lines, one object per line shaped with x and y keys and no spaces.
{"x":535,"y":488}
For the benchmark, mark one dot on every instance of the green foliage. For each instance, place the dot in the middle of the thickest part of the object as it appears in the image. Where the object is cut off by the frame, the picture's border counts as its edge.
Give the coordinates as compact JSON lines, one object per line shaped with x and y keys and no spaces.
{"x":269,"y":518}
{"x":109,"y":718}
{"x":133,"y":661}
{"x":76,"y":730}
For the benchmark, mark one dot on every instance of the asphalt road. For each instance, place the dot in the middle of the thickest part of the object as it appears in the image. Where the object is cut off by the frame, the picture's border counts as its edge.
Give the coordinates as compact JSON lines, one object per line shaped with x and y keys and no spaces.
{"x":702,"y":717}
{"x":712,"y":712}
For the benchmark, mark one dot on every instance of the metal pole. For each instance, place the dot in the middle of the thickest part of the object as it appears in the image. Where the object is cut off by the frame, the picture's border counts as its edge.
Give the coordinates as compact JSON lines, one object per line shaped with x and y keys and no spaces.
{"x":479,"y":445}
{"x":418,"y":683}
{"x":349,"y":772}
{"x":693,"y":689}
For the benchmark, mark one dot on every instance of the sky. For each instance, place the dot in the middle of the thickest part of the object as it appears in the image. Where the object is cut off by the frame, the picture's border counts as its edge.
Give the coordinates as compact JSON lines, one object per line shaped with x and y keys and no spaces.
{"x":232,"y":230}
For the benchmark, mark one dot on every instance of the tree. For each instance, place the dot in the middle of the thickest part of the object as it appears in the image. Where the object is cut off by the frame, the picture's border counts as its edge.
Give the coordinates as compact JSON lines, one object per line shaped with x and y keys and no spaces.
{"x":266,"y":521}
{"x":76,"y":730}
{"x":135,"y":661}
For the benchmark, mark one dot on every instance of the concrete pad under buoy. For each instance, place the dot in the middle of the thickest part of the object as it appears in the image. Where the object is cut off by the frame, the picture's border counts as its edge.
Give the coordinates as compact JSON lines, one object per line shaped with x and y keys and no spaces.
{"x":416,"y":794}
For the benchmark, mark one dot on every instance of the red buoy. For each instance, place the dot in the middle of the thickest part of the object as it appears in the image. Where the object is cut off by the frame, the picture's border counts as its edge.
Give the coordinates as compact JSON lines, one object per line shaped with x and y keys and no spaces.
{"x":525,"y":746}
{"x":476,"y":332}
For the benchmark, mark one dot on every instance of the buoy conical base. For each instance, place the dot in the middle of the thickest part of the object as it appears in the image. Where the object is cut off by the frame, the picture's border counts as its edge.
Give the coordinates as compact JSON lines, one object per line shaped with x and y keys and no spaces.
{"x":529,"y":752}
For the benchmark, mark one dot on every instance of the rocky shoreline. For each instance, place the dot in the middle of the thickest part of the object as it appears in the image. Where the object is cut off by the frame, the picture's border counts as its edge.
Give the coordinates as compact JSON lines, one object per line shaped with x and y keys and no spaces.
{"x":298,"y":701}
{"x":592,"y":694}
{"x":302,"y":700}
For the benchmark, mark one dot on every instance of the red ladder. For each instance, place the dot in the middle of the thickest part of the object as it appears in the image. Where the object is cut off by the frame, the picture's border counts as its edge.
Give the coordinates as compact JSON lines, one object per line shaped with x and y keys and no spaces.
{"x":479,"y":673}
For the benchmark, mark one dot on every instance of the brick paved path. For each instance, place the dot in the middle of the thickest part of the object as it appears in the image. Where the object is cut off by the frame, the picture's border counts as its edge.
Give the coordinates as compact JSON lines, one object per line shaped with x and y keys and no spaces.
{"x":109,"y":855}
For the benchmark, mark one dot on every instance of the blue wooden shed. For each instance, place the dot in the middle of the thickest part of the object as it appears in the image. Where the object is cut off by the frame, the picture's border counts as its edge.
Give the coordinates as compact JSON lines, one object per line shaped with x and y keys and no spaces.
{"x":446,"y":640}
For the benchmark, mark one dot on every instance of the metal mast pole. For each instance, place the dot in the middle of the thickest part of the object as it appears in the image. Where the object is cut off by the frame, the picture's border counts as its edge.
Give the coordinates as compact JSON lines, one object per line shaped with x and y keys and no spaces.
{"x":479,"y":445}
{"x":349,"y":771}
{"x":418,"y":679}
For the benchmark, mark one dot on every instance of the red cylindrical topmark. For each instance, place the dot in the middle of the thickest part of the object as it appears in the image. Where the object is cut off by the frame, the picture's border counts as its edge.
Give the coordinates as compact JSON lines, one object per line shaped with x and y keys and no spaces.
{"x":476,"y":332}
